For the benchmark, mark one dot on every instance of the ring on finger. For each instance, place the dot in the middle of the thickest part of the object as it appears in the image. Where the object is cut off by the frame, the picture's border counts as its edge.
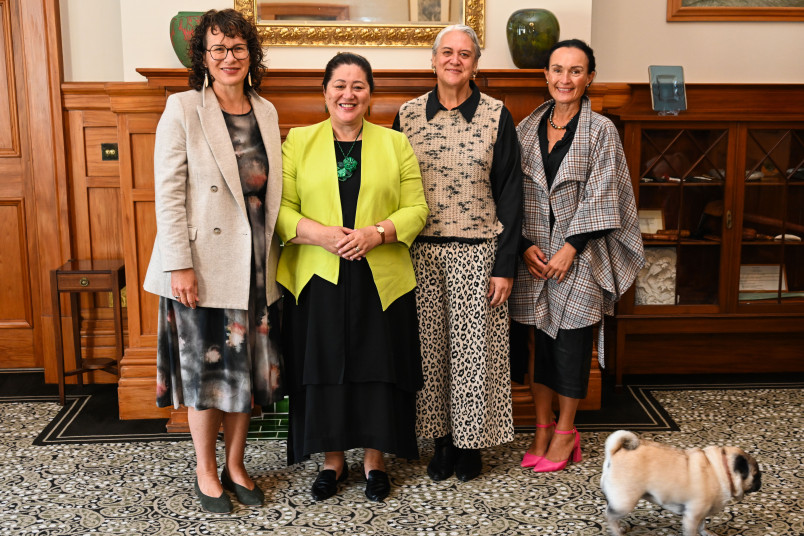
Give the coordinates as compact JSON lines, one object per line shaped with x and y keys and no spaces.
{"x":357,"y":248}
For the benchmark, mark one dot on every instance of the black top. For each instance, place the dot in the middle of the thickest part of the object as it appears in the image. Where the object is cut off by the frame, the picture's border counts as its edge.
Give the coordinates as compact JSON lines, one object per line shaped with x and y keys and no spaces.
{"x":505,"y":177}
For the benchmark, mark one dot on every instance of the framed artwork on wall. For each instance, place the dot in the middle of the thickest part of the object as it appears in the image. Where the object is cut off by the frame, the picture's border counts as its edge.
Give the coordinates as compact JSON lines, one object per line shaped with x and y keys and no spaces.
{"x":429,"y":10}
{"x":729,"y":10}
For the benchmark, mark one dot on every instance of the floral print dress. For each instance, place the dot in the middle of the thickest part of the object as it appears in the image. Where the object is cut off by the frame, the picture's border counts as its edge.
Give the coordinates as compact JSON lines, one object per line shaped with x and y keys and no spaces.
{"x":227,"y":359}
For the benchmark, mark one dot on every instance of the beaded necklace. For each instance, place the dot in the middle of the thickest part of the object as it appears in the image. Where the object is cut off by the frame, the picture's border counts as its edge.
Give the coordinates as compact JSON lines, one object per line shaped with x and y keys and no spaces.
{"x":550,"y":118}
{"x":346,"y":166}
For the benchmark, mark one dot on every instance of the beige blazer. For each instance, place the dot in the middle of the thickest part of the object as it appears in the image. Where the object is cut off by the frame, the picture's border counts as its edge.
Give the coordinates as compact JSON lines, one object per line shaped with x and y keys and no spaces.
{"x":201,"y":218}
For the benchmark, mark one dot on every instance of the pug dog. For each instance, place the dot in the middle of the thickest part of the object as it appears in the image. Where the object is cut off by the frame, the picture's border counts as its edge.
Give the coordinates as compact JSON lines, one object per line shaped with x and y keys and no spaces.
{"x":694,"y":483}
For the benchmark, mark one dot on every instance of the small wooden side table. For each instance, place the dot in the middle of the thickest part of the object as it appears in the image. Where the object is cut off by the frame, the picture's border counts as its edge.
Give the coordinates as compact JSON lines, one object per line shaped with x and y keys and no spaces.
{"x":75,"y":277}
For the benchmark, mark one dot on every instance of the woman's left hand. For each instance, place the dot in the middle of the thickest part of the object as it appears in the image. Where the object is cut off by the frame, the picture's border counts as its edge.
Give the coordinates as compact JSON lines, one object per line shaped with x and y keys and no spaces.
{"x":560,"y":263}
{"x":499,"y":290}
{"x":358,"y":242}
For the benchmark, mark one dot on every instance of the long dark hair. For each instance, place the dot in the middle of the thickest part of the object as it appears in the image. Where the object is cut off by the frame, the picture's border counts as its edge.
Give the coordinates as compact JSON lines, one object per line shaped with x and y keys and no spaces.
{"x":233,"y":24}
{"x":348,"y":58}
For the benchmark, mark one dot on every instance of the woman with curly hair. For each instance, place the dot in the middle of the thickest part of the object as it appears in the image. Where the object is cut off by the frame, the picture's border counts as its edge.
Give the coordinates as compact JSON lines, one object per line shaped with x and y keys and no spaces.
{"x":218,"y":187}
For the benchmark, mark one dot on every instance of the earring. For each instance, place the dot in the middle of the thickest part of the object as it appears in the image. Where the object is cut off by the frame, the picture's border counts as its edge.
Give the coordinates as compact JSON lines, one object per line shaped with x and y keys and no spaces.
{"x":434,"y":72}
{"x":249,"y":80}
{"x":326,"y":110}
{"x":206,"y":80}
{"x":474,"y":75}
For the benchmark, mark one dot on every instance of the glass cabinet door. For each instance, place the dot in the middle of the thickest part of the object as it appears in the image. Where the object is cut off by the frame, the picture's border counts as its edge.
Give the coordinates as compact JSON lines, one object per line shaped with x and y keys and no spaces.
{"x":771,"y":247}
{"x":682,"y":182}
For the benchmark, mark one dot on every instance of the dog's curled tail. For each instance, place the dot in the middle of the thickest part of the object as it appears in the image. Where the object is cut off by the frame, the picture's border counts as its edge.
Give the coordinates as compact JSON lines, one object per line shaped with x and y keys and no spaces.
{"x":619,"y":440}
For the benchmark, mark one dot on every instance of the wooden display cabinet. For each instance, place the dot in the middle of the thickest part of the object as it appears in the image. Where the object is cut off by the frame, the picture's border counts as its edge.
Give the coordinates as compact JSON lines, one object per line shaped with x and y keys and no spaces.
{"x":720,"y":190}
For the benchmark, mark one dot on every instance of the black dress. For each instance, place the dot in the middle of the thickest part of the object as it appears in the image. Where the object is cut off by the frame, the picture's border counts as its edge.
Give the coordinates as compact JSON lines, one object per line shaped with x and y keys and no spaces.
{"x":352,"y":369}
{"x":226,"y":359}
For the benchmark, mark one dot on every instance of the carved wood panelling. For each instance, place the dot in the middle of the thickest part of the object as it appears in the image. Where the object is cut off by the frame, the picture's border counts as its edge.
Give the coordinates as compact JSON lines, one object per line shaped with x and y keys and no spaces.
{"x":94,"y":136}
{"x":9,"y":124}
{"x":15,"y":310}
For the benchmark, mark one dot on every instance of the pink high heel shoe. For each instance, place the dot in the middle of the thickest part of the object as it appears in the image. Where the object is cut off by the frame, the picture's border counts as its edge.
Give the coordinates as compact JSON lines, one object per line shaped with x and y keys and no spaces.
{"x":546,"y":466}
{"x":530,"y":460}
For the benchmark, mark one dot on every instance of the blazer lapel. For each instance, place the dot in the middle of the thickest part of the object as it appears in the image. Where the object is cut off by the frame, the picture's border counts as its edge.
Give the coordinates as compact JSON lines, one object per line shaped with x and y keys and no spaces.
{"x":578,"y":156}
{"x":217,"y":136}
{"x":267,"y":122}
{"x":321,"y":152}
{"x":533,"y":167}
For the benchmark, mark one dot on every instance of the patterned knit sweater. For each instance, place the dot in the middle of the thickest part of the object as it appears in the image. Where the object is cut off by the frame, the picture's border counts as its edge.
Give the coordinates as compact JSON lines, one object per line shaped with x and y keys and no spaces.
{"x":455,"y":159}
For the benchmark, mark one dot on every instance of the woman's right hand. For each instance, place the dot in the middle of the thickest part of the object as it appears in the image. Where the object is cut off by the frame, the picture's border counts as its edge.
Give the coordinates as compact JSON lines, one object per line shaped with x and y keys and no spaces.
{"x":536,"y":262}
{"x":330,"y":236}
{"x":310,"y":232}
{"x":184,"y":286}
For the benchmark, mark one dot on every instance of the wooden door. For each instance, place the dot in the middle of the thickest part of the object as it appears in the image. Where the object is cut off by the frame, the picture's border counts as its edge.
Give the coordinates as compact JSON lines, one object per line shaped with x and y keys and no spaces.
{"x":33,"y":230}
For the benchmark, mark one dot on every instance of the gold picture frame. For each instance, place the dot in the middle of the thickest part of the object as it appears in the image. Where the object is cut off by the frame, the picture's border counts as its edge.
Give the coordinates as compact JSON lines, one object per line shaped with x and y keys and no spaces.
{"x":685,"y":11}
{"x":651,"y":220}
{"x":350,"y":33}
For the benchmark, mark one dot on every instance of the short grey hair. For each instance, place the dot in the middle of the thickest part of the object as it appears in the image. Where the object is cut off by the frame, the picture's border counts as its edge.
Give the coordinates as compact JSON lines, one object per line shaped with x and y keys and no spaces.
{"x":457,"y":28}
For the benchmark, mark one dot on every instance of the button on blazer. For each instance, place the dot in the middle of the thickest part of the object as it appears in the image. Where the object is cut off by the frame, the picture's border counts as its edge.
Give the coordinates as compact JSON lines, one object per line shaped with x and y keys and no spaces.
{"x":201,"y":217}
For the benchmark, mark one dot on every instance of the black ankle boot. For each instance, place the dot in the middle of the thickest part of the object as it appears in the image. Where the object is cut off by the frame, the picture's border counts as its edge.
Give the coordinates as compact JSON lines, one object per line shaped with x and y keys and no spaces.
{"x":442,"y":465}
{"x":468,"y":464}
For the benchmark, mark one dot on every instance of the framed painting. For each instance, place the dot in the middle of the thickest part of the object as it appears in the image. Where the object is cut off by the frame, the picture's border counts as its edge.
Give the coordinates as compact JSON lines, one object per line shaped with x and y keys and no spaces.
{"x":429,"y":10}
{"x":735,"y":10}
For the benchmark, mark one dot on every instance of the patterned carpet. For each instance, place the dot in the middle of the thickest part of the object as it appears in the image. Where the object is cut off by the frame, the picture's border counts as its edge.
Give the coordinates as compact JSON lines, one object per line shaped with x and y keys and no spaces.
{"x":145,"y":487}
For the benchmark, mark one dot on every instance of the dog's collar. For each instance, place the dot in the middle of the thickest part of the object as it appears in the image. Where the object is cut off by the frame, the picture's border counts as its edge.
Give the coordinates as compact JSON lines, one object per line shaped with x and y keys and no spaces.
{"x":728,"y":472}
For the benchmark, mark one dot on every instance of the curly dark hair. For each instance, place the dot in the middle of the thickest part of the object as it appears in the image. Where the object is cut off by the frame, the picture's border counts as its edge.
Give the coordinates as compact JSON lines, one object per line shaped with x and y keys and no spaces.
{"x":233,"y":24}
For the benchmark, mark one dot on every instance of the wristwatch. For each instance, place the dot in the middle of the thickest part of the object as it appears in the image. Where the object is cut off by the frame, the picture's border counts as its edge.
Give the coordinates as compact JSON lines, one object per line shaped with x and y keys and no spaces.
{"x":381,"y":230}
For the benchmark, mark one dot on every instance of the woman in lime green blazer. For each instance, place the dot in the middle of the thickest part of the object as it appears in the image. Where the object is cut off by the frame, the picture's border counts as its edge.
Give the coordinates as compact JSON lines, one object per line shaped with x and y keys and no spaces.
{"x":352,"y":204}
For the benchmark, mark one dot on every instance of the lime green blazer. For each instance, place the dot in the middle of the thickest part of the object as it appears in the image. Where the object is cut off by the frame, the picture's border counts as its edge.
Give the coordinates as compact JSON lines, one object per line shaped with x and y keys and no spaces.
{"x":390,"y":188}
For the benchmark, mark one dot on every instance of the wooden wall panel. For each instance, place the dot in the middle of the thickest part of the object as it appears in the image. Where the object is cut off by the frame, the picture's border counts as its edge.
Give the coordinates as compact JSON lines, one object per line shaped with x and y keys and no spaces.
{"x":93,"y":138}
{"x":15,"y":310}
{"x":142,"y":155}
{"x":145,"y":221}
{"x":9,"y":123}
{"x":105,"y":223}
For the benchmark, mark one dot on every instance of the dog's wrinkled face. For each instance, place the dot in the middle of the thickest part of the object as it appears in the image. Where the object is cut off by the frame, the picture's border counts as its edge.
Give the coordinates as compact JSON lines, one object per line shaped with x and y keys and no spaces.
{"x":747,"y":469}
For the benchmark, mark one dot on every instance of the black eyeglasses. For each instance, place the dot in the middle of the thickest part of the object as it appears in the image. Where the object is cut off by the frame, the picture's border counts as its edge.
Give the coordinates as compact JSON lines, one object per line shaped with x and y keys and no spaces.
{"x":219,"y":52}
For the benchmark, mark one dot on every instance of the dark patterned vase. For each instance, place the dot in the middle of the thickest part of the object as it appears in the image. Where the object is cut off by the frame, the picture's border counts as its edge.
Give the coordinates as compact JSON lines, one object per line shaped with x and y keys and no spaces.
{"x":181,"y":30}
{"x":531,"y":33}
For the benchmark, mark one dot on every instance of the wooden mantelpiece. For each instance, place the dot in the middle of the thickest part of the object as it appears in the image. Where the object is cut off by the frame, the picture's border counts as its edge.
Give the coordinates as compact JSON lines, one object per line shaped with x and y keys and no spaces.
{"x":127,"y":113}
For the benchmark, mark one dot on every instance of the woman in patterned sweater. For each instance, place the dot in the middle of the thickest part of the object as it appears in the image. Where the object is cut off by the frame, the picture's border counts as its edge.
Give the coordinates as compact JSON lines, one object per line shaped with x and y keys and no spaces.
{"x":581,"y":247}
{"x":464,"y":258}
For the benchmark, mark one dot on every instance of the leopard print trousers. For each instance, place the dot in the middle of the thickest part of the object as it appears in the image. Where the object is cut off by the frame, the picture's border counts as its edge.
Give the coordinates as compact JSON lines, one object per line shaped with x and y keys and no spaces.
{"x":465,"y":346}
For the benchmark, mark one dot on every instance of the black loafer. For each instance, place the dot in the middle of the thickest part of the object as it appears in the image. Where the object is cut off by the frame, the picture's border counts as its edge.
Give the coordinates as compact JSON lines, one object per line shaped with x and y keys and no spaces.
{"x":216,"y":505}
{"x":468,"y":464}
{"x":249,"y":497}
{"x":377,"y":485}
{"x":325,"y":484}
{"x":442,"y":465}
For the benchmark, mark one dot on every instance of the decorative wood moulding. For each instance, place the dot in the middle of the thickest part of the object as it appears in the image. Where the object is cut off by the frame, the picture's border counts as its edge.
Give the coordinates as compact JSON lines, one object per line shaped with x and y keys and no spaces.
{"x":343,"y":33}
{"x":722,"y":102}
{"x":9,"y":121}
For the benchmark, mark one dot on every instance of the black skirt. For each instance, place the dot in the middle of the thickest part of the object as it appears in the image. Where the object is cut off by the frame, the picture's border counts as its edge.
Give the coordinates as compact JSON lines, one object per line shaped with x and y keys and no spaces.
{"x":352,"y":369}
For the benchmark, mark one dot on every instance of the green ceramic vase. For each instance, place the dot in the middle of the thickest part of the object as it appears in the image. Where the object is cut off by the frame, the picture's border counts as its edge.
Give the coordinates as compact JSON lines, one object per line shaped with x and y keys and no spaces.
{"x":181,"y":30}
{"x":531,"y":33}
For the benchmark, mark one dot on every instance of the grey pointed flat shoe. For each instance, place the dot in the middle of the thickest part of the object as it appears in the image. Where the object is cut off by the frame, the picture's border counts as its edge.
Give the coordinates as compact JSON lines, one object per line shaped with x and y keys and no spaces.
{"x":216,"y":505}
{"x":249,"y":497}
